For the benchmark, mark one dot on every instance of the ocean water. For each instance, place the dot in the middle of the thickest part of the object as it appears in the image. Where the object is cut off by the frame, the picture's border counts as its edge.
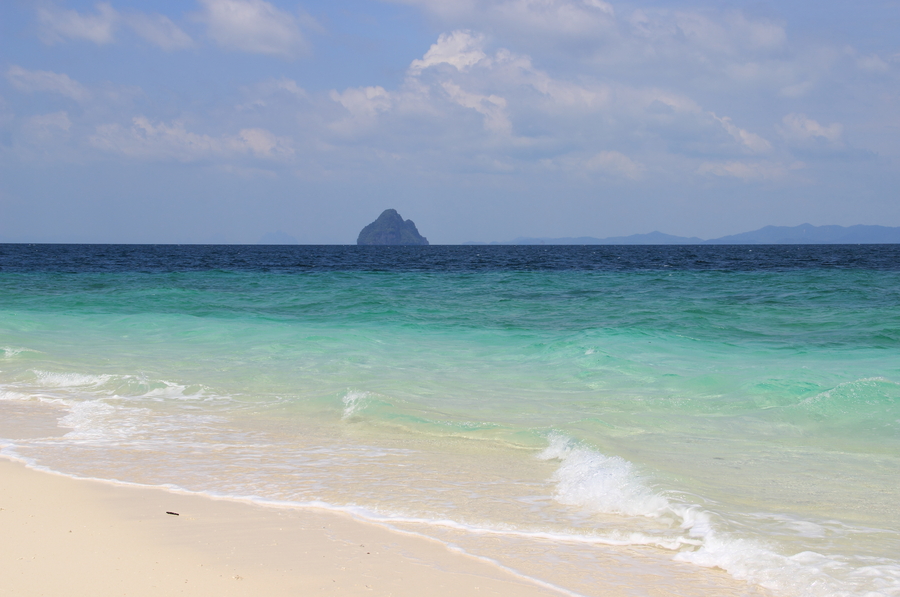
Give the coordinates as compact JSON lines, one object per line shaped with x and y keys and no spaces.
{"x":656,"y":420}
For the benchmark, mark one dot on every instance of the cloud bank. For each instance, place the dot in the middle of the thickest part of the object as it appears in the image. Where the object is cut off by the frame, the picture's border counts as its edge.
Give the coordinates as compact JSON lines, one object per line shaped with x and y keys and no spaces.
{"x":648,"y":109}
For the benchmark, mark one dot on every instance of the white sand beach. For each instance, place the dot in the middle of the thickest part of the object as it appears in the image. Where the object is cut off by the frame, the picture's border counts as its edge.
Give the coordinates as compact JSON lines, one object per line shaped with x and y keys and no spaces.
{"x":64,"y":536}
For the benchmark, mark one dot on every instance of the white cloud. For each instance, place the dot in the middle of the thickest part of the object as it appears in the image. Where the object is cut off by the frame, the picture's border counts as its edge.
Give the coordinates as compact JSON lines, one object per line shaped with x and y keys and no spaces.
{"x":160,"y":31}
{"x":172,"y":141}
{"x":461,"y":49}
{"x":615,"y":163}
{"x":565,"y":17}
{"x":477,"y":72}
{"x":273,"y":94}
{"x":492,"y":107}
{"x":873,"y":64}
{"x":289,"y":85}
{"x":761,"y":34}
{"x":643,"y":33}
{"x":749,"y":171}
{"x":57,"y":25}
{"x":726,"y":34}
{"x":364,"y":104}
{"x":246,"y":172}
{"x":797,"y":90}
{"x":41,"y":80}
{"x":57,"y":120}
{"x":6,"y":115}
{"x":365,"y":101}
{"x":750,"y":141}
{"x":487,"y":106}
{"x":708,"y":49}
{"x":46,"y":128}
{"x":465,"y":51}
{"x":437,"y":95}
{"x":800,"y":130}
{"x":523,"y":106}
{"x":654,"y":99}
{"x":557,"y":17}
{"x":603,"y":6}
{"x":252,"y":26}
{"x":263,"y":143}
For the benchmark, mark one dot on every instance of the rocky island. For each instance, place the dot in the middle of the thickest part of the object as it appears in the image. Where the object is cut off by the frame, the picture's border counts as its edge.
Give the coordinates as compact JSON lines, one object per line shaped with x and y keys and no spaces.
{"x":390,"y":229}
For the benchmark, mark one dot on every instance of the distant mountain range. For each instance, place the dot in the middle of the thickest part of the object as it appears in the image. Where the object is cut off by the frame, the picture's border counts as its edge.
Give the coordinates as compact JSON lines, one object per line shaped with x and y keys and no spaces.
{"x":805,"y":234}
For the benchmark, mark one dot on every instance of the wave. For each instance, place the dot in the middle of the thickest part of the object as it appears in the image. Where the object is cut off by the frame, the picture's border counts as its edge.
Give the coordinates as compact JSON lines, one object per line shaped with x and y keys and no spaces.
{"x":111,"y":410}
{"x":107,"y":410}
{"x":9,"y":352}
{"x":696,"y":539}
{"x":803,"y":574}
{"x":602,"y":483}
{"x":850,"y":396}
{"x":354,"y":401}
{"x":40,"y":384}
{"x":605,"y":484}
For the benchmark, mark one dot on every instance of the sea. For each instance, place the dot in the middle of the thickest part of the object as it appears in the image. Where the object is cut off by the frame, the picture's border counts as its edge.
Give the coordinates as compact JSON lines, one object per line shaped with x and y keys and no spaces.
{"x":633,"y":420}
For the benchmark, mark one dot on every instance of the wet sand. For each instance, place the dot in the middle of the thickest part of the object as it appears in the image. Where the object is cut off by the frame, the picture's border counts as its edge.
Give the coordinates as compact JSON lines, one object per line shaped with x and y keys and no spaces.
{"x":64,"y":536}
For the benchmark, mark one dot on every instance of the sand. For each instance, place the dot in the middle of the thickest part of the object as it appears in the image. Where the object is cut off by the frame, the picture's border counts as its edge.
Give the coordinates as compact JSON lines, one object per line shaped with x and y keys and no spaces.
{"x":73,"y":537}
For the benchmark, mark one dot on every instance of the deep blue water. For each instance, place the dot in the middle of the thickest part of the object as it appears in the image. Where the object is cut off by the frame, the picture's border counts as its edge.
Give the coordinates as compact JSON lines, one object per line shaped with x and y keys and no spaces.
{"x":281,"y":258}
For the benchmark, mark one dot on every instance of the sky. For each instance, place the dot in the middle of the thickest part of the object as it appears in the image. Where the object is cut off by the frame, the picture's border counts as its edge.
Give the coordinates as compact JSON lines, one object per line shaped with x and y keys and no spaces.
{"x":234,"y":121}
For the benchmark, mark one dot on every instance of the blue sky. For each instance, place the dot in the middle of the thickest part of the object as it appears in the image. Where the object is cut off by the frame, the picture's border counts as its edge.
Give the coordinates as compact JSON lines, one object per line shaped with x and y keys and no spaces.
{"x":227,"y":120}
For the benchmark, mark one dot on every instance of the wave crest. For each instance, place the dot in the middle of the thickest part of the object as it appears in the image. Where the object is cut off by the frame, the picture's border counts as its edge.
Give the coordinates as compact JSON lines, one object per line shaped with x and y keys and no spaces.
{"x":592,"y":480}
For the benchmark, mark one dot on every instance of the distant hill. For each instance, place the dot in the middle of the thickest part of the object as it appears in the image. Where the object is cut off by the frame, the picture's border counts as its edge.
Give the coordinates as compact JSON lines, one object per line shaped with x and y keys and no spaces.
{"x":805,"y":234}
{"x":390,"y":229}
{"x":652,"y":238}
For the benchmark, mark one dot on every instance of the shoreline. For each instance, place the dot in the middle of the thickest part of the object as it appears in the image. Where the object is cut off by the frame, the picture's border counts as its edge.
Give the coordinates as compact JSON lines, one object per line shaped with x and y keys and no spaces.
{"x":64,"y":535}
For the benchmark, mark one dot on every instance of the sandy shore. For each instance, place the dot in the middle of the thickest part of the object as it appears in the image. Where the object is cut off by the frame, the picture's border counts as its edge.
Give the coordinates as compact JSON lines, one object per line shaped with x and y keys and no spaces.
{"x":63,"y":536}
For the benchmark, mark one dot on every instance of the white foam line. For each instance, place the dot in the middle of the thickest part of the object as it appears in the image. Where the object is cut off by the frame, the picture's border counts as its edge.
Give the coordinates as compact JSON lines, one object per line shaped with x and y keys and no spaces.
{"x":634,"y":538}
{"x":9,"y":352}
{"x":8,"y":452}
{"x":827,"y":393}
{"x":455,"y":548}
{"x":7,"y":395}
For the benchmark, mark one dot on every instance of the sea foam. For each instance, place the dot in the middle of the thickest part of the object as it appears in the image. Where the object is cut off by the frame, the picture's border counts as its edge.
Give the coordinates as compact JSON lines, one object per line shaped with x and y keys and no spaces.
{"x":354,"y":401}
{"x":600,"y":483}
{"x":595,"y":482}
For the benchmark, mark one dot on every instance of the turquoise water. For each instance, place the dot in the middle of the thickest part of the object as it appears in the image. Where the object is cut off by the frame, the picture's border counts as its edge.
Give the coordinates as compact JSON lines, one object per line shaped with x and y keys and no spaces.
{"x":726,"y":431}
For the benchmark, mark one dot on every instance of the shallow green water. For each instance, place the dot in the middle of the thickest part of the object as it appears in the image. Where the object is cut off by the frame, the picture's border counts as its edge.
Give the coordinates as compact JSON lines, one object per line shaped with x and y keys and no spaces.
{"x":745,"y":420}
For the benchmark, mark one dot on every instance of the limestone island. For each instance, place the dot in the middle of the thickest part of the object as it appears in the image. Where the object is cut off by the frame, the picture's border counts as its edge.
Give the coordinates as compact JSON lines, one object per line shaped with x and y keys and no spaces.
{"x":390,"y":229}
